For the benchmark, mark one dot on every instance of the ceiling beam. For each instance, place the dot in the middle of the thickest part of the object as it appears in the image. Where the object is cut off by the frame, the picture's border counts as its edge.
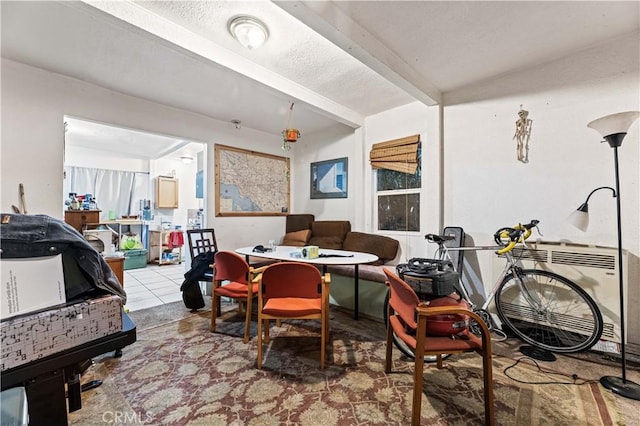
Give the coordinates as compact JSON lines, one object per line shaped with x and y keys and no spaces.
{"x":330,"y":22}
{"x":177,"y":35}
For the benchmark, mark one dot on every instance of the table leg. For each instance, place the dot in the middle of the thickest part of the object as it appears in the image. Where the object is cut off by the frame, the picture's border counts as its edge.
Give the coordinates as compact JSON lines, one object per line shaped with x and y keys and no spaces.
{"x":356,"y":296}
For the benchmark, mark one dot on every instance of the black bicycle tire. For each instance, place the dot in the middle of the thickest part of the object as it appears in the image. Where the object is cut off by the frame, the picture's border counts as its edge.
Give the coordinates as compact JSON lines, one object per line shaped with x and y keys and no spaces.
{"x":399,"y":343}
{"x":541,"y":335}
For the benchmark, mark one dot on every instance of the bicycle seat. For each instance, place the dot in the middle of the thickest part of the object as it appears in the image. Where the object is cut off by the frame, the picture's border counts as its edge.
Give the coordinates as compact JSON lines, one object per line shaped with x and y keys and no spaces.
{"x":435,"y":238}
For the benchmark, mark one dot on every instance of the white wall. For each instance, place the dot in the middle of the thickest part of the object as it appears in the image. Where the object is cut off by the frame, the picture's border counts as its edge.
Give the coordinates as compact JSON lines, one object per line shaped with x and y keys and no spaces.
{"x":487,"y":188}
{"x":408,"y":120}
{"x":324,"y":146}
{"x":34,"y":103}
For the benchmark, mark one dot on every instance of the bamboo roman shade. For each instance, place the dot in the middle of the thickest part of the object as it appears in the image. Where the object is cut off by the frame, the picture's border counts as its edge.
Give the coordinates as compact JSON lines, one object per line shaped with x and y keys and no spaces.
{"x":399,"y":154}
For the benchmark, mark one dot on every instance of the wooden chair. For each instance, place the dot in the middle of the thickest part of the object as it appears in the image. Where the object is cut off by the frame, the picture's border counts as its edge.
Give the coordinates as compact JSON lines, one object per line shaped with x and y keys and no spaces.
{"x":231,"y":267}
{"x":404,"y":308}
{"x":291,"y":290}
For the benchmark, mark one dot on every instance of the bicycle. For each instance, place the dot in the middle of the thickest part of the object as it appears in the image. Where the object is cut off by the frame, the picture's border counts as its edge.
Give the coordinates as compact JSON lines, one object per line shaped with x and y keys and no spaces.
{"x":532,"y":303}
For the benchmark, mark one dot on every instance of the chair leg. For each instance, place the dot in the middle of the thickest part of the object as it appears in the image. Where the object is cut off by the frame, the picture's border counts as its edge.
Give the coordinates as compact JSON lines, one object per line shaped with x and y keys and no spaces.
{"x":266,"y":331}
{"x":259,"y":360}
{"x":387,"y":368}
{"x":214,"y":312}
{"x":489,"y":418}
{"x":418,"y":371}
{"x":418,"y":379}
{"x":323,"y":340}
{"x":247,"y":321}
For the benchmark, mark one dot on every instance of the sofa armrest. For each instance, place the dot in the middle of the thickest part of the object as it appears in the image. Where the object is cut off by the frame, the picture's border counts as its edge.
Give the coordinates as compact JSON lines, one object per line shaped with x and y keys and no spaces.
{"x":385,"y":248}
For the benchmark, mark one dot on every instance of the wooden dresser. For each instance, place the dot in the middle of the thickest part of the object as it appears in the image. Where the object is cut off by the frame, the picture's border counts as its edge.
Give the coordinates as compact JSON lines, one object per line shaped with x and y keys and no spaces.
{"x":117,"y":266}
{"x":77,"y":218}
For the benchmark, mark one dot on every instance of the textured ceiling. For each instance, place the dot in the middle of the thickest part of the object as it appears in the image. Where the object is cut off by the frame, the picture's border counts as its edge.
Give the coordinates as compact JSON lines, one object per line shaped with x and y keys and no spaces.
{"x":337,"y":61}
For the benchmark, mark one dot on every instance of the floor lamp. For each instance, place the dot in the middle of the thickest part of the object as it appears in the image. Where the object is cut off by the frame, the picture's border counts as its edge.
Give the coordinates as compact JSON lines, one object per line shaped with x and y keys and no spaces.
{"x":613,"y":129}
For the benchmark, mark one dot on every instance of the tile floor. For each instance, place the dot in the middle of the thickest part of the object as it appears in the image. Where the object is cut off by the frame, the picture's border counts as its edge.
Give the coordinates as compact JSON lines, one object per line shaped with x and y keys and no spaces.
{"x":153,"y":285}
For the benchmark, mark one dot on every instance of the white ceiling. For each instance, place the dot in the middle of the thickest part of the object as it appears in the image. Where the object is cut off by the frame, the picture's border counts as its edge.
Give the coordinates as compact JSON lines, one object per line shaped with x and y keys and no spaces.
{"x":338,"y":62}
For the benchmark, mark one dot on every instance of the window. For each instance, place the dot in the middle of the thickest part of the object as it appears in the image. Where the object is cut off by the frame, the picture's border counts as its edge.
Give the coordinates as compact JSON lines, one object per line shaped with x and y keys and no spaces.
{"x":398,"y":198}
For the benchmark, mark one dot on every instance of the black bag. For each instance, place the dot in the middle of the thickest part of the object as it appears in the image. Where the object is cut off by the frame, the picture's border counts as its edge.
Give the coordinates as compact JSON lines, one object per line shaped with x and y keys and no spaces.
{"x":429,"y":278}
{"x":191,"y":293}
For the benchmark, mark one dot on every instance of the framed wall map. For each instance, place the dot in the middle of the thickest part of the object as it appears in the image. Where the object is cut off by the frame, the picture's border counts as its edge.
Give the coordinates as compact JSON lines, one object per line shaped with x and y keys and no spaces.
{"x":250,"y":183}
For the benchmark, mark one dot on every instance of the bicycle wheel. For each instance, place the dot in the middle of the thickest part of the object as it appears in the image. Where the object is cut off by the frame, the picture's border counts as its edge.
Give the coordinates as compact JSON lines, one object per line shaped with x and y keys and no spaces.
{"x":400,"y":344}
{"x":557,"y":315}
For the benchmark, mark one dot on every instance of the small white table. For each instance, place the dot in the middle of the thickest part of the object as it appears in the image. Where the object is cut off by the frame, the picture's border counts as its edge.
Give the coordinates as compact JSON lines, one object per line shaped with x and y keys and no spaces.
{"x":327,"y":257}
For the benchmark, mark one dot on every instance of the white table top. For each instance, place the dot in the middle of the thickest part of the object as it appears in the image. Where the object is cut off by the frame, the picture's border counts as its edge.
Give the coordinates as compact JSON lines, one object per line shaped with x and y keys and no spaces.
{"x":343,"y":257}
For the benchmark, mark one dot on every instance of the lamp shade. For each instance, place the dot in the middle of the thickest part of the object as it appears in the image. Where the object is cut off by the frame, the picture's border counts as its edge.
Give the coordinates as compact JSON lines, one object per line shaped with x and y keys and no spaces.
{"x":614,"y":123}
{"x":579,"y":219}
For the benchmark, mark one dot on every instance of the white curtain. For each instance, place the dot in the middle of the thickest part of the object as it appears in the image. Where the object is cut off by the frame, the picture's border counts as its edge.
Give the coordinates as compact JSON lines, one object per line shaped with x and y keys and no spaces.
{"x":114,"y":190}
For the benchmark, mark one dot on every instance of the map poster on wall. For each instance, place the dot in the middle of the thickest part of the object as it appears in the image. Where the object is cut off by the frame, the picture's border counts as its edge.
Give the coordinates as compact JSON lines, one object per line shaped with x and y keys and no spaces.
{"x":250,"y":183}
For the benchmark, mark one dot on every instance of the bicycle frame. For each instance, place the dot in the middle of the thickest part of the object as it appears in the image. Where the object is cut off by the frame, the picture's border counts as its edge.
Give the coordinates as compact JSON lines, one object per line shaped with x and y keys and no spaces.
{"x":442,"y":253}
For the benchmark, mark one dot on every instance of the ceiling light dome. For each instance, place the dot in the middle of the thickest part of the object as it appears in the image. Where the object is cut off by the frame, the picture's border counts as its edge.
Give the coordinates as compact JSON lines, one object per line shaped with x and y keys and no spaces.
{"x":249,"y":31}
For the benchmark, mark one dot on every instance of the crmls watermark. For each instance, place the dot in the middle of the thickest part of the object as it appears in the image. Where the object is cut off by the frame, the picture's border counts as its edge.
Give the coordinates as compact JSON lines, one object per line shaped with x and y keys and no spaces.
{"x":126,"y":417}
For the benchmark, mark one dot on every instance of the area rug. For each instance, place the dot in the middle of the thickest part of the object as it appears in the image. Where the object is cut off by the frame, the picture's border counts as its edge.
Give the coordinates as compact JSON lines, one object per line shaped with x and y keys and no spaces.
{"x":178,"y":373}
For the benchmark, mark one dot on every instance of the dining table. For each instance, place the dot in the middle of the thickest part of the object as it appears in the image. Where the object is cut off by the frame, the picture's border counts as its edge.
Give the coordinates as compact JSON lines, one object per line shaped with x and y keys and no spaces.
{"x":326,"y":257}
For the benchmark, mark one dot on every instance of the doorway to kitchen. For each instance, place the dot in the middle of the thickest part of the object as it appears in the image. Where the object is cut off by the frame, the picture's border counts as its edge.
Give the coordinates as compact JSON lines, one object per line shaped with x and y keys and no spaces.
{"x":126,"y":173}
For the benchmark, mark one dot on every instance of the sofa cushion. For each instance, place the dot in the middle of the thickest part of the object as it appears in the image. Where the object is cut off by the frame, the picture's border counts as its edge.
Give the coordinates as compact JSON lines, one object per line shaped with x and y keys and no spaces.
{"x":297,"y":222}
{"x":297,"y":239}
{"x":384,"y":247}
{"x":329,"y":234}
{"x":326,"y":242}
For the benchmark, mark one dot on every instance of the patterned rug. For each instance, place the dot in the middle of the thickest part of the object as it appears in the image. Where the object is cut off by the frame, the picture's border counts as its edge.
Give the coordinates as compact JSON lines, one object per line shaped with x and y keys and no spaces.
{"x":178,"y":373}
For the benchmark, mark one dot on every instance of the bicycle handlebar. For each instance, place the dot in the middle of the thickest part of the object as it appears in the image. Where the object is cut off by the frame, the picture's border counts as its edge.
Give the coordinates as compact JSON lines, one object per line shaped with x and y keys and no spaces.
{"x":509,"y":237}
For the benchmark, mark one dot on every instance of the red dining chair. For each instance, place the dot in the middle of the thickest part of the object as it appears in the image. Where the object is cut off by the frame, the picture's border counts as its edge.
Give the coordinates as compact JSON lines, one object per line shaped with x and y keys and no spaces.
{"x":291,"y":290}
{"x":232,"y":270}
{"x":408,"y":318}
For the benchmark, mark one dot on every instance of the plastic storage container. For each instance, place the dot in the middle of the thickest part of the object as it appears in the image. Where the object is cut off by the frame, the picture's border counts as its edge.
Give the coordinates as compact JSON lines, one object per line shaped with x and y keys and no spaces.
{"x":134,"y":259}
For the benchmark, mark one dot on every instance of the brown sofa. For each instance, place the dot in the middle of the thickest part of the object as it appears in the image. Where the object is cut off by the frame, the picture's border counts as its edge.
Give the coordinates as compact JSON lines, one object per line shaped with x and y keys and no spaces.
{"x":302,"y":230}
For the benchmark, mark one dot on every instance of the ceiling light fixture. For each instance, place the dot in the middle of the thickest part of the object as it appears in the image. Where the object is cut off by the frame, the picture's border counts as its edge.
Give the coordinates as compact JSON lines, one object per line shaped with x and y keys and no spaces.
{"x":186,"y":160}
{"x":249,"y":31}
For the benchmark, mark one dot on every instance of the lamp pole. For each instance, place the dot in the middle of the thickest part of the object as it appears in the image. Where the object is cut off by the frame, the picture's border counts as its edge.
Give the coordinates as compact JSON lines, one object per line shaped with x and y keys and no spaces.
{"x":620,"y":386}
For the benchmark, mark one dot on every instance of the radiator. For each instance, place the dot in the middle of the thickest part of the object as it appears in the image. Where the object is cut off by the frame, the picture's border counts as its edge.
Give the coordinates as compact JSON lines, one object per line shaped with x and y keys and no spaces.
{"x":595,"y":269}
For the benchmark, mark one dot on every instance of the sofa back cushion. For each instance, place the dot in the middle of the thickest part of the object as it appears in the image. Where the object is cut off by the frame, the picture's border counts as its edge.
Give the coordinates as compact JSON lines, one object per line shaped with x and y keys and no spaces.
{"x":329,"y":234}
{"x":296,"y":239}
{"x":384,"y":247}
{"x":297,"y":222}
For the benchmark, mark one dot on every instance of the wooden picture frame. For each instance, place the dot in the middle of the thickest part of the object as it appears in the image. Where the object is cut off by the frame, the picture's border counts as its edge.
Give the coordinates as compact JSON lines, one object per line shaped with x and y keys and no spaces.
{"x":328,"y":179}
{"x":250,"y":183}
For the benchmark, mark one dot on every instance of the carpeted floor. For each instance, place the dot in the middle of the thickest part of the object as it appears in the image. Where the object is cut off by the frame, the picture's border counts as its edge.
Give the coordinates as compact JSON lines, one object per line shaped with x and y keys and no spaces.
{"x":179,"y":373}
